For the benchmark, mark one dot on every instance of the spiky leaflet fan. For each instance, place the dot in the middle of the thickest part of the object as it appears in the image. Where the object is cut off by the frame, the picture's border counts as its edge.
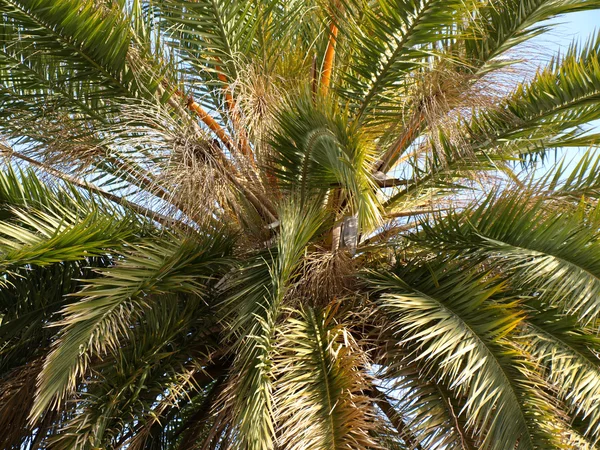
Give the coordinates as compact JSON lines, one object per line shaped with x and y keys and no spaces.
{"x":266,"y":225}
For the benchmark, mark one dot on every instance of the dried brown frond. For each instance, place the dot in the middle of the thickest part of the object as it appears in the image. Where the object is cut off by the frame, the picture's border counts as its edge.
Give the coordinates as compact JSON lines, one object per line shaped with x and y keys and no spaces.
{"x":17,"y":392}
{"x":198,"y":185}
{"x":436,"y":104}
{"x":322,"y":277}
{"x":187,"y":171}
{"x":443,"y":97}
{"x":65,"y":141}
{"x":258,"y":97}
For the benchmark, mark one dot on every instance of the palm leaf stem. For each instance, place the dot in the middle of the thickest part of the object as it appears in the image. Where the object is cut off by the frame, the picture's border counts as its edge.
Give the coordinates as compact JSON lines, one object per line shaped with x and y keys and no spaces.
{"x":211,"y":123}
{"x":401,"y":143}
{"x":93,"y":188}
{"x":328,"y":61}
{"x":465,"y":442}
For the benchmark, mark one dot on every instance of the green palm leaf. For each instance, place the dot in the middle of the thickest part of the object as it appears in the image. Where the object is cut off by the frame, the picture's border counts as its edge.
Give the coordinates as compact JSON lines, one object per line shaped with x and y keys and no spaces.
{"x":552,"y":254}
{"x":396,"y":37}
{"x":254,"y":306}
{"x":327,"y":410}
{"x":329,"y":153}
{"x":96,"y":324}
{"x":570,"y":363}
{"x":450,"y":327}
{"x":275,"y":224}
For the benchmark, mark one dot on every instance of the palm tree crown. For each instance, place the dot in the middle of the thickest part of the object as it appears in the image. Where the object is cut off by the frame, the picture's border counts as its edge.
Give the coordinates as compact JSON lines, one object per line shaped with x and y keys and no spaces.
{"x":296,"y":224}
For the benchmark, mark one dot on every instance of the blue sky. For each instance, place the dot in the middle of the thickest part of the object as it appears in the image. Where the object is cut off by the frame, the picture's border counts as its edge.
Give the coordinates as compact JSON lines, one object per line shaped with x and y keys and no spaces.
{"x":577,"y":26}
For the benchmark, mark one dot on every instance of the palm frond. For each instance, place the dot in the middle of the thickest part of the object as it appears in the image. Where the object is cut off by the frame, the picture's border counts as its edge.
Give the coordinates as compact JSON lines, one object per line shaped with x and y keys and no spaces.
{"x":455,"y":334}
{"x":211,"y":34}
{"x":96,"y":324}
{"x":329,"y":153}
{"x":328,"y":408}
{"x":253,"y":308}
{"x":95,"y":41}
{"x":57,"y":238}
{"x":573,"y":183}
{"x":166,"y":360}
{"x":396,"y":37}
{"x":568,"y":358}
{"x":24,"y":189}
{"x":500,"y":26}
{"x":429,"y":410}
{"x":45,"y":224}
{"x":553,"y":254}
{"x":548,"y":111}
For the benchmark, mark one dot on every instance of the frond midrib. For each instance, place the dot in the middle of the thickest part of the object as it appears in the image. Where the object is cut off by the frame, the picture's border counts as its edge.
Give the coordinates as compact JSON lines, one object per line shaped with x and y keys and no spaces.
{"x":330,"y":405}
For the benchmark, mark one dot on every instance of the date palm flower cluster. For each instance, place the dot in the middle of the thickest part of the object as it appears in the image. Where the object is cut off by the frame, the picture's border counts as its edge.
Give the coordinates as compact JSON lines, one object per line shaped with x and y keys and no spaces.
{"x":297,"y":225}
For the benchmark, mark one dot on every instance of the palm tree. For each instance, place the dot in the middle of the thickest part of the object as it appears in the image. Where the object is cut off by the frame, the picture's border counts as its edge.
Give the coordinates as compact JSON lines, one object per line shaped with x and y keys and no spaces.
{"x":297,"y":224}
